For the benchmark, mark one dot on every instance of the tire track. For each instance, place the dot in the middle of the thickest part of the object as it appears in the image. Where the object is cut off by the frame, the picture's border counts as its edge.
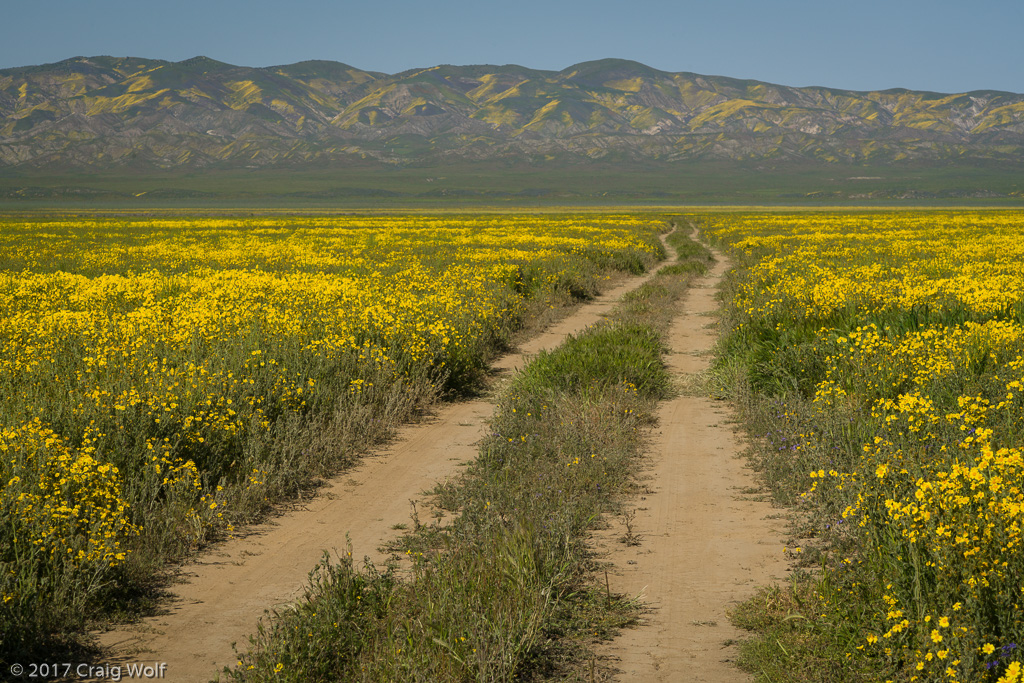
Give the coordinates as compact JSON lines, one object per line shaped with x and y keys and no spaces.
{"x":706,"y":544}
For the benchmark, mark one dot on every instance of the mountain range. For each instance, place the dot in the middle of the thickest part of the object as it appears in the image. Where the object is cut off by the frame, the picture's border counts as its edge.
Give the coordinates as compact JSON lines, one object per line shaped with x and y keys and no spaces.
{"x":109,"y":112}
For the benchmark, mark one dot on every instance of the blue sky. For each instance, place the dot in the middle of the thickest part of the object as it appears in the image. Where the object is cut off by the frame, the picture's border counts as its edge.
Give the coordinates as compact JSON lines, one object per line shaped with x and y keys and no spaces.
{"x":860,"y":45}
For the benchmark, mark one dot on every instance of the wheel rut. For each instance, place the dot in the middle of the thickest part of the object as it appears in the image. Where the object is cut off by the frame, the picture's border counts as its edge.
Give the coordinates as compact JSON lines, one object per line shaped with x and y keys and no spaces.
{"x":706,"y":543}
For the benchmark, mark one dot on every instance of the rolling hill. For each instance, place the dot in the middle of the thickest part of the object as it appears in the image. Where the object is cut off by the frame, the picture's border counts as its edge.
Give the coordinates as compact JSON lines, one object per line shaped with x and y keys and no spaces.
{"x":102,"y":113}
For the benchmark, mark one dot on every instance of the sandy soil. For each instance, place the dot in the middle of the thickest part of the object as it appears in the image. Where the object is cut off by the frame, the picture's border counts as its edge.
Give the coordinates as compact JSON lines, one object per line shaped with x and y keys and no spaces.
{"x":706,"y":542}
{"x":228,"y":589}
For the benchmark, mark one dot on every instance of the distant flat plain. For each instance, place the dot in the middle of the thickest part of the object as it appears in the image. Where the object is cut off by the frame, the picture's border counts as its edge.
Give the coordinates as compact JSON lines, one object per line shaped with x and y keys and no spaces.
{"x":463,"y":185}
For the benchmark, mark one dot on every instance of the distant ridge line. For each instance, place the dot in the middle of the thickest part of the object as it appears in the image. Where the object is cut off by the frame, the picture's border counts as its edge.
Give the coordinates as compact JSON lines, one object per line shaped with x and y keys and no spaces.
{"x":113,"y":112}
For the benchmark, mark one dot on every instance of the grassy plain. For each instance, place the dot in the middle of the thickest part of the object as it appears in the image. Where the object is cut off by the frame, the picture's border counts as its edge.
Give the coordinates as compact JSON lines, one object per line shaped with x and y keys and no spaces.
{"x":879,"y":359}
{"x":163,"y":378}
{"x":767,"y":182}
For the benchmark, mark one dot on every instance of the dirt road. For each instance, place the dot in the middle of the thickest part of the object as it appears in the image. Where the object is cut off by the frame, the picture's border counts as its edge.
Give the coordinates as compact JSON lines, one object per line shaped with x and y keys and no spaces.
{"x":229,"y":588}
{"x":705,"y":543}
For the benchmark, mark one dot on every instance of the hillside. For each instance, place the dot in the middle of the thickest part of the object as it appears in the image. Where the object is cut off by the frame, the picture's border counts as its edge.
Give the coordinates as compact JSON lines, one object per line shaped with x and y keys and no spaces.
{"x":103,"y":113}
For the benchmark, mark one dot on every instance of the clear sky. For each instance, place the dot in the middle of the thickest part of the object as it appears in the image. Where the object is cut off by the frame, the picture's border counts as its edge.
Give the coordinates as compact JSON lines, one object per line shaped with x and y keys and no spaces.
{"x":940,"y":45}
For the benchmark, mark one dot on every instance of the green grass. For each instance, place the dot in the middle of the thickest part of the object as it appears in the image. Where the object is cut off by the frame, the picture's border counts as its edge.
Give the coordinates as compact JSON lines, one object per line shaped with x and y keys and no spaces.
{"x":520,"y":185}
{"x":800,"y":637}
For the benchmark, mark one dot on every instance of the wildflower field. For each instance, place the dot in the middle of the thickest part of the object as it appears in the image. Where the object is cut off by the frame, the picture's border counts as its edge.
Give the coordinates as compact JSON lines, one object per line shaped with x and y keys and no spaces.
{"x":163,"y":378}
{"x":880,"y":358}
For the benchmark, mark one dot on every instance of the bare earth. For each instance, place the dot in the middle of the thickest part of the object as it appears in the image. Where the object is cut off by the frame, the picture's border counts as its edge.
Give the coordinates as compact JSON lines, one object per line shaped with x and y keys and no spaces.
{"x":230,"y":588}
{"x":706,"y":544}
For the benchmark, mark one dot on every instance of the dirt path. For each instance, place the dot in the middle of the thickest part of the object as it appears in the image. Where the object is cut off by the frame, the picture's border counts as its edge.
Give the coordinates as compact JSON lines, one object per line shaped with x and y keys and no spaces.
{"x":705,"y":543}
{"x":228,"y":589}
